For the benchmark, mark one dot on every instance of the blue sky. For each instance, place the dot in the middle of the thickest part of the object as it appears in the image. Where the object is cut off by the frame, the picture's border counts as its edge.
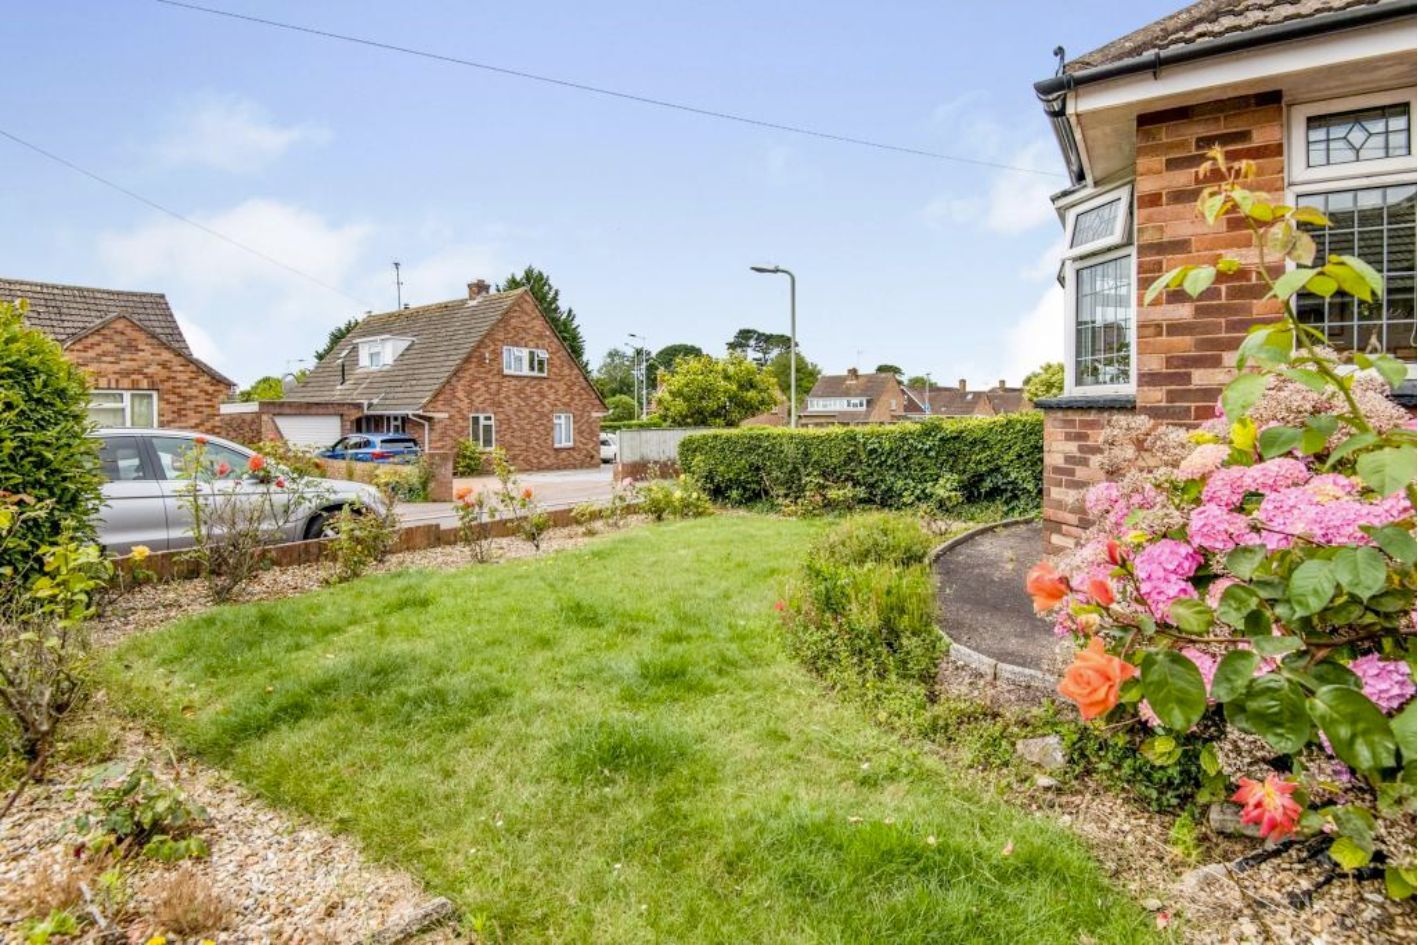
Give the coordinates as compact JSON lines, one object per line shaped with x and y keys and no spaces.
{"x":337,"y":159}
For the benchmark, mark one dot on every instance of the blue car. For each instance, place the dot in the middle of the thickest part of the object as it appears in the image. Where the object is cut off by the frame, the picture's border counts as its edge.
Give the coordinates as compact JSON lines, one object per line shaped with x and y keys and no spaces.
{"x":374,"y":448}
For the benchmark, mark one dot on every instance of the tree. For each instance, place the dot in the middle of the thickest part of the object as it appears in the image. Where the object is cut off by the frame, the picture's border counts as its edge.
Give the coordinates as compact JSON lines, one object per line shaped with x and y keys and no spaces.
{"x":337,"y":334}
{"x":621,"y":407}
{"x":889,"y":369}
{"x":616,"y":374}
{"x":808,"y":373}
{"x":665,"y":359}
{"x":549,"y":298}
{"x":1045,"y":381}
{"x":759,"y":345}
{"x":715,"y":392}
{"x":918,"y":382}
{"x":269,"y":387}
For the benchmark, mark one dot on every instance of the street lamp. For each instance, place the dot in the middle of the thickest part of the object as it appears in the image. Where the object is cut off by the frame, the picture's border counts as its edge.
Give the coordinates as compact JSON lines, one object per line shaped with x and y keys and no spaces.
{"x":639,"y":373}
{"x":793,"y":336}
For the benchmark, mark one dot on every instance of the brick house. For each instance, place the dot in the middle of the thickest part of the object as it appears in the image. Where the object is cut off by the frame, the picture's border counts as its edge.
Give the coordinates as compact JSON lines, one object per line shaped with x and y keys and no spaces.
{"x":960,"y":401}
{"x":855,"y":398}
{"x":1320,"y":94}
{"x":488,"y":368}
{"x":142,"y":372}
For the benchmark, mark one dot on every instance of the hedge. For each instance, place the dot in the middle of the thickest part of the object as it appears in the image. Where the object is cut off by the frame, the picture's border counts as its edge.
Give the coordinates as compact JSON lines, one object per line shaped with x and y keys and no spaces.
{"x":942,"y":463}
{"x":649,"y":423}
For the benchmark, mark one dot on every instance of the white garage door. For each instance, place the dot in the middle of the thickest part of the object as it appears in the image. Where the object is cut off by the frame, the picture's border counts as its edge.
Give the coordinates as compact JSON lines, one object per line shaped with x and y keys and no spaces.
{"x":312,"y":432}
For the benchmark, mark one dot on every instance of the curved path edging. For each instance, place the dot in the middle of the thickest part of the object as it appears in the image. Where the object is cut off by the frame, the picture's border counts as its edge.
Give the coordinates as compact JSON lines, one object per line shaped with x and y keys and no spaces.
{"x":991,"y":667}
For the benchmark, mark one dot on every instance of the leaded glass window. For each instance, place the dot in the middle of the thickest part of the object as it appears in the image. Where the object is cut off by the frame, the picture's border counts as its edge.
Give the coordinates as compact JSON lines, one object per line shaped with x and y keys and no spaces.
{"x":1366,"y":134}
{"x":1090,"y":226}
{"x":1103,"y":323}
{"x":1377,"y":225}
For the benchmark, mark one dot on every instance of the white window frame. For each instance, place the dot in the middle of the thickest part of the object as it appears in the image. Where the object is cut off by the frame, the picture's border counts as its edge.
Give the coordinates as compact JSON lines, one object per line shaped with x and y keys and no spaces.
{"x":485,"y":421}
{"x":127,"y":396}
{"x":1298,"y":156}
{"x":1122,"y":229}
{"x":558,"y":421}
{"x":524,"y":362}
{"x":1071,"y":267}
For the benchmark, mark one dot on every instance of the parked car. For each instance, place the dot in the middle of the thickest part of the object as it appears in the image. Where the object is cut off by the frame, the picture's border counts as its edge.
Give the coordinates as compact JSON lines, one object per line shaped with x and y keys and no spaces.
{"x":374,"y":448}
{"x":141,"y":499}
{"x":610,"y":447}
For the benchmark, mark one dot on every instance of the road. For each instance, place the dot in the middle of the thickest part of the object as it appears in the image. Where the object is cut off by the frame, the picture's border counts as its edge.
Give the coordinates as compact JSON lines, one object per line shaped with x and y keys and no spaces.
{"x":553,"y":490}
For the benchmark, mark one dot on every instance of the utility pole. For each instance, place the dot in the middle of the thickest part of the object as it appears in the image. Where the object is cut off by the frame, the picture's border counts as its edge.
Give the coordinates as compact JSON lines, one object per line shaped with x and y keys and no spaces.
{"x":642,"y":402}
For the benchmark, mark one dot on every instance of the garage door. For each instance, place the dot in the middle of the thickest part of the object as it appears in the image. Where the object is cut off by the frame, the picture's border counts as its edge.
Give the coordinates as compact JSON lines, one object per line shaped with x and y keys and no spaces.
{"x":315,"y":431}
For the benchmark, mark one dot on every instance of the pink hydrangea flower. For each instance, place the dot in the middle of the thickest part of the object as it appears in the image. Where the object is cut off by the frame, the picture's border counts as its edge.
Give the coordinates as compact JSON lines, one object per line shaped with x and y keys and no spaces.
{"x":1202,"y":461}
{"x":1327,"y":487}
{"x":1162,"y":570}
{"x":1205,"y":662}
{"x":1100,"y":498}
{"x":1217,"y":529}
{"x":1217,"y":588}
{"x":1274,"y":474}
{"x":1387,"y":683}
{"x":1226,"y":487}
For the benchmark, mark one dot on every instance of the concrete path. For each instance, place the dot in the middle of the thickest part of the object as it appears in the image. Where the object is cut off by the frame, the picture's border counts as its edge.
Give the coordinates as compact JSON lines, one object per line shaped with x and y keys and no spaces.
{"x":983,"y":605}
{"x":554,"y":490}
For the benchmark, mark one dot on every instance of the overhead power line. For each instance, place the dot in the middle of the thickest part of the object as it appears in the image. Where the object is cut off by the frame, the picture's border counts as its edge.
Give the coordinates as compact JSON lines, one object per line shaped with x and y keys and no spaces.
{"x":611,"y":93}
{"x":177,"y":216}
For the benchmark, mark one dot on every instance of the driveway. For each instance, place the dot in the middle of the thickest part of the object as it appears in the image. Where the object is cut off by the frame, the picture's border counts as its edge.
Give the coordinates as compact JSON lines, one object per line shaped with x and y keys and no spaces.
{"x":554,"y":490}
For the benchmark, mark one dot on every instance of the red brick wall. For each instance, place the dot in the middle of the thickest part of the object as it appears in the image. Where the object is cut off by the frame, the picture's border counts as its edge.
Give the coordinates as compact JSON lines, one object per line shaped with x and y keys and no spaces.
{"x":260,"y":425}
{"x":1185,"y":348}
{"x":122,"y":356}
{"x":522,"y":406}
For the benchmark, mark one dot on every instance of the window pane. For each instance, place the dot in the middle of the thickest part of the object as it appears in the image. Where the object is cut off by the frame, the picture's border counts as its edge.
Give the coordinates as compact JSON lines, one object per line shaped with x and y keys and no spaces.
{"x":1367,"y":134}
{"x":121,"y":459}
{"x":1103,"y":329}
{"x":106,"y":416}
{"x":1090,"y":226}
{"x":1377,"y":225}
{"x":142,"y":408}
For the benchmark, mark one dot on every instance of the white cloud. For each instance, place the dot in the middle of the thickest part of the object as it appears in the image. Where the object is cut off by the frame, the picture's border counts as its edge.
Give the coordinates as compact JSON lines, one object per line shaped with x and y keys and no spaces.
{"x":443,"y":275}
{"x":1036,"y":337}
{"x":201,"y":342}
{"x":232,"y":134}
{"x":1015,"y":202}
{"x":1047,"y":265}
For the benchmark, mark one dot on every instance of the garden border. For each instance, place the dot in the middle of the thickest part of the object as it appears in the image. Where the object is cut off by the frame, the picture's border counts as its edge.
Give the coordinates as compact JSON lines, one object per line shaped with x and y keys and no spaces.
{"x":996,"y":670}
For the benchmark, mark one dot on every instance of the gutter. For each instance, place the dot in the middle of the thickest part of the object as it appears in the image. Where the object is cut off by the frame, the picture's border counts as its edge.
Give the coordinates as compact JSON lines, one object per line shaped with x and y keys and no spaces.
{"x":1053,"y":91}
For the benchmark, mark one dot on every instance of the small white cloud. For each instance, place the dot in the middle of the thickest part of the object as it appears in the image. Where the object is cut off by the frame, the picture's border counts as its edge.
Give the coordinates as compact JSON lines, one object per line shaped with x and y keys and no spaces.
{"x":203,"y":345}
{"x":1047,"y":265}
{"x":1015,"y":202}
{"x":232,"y":134}
{"x":443,"y":275}
{"x":1037,"y":336}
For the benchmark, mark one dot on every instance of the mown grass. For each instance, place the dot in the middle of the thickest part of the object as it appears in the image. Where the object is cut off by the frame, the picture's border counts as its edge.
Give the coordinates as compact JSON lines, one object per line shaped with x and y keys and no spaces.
{"x":609,"y":745}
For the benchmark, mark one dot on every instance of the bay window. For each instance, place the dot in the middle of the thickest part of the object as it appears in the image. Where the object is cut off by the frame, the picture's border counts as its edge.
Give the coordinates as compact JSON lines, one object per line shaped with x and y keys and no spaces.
{"x":1100,"y":293}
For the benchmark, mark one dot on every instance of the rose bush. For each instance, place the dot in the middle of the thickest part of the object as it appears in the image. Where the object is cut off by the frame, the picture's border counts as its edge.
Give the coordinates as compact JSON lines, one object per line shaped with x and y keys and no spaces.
{"x":1255,"y":577}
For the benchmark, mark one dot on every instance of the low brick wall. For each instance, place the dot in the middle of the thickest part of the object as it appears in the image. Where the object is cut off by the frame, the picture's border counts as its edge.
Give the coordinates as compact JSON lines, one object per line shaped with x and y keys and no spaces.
{"x":175,"y":565}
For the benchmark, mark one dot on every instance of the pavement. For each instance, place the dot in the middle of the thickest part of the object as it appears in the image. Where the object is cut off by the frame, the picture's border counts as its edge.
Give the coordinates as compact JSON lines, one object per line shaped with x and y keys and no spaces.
{"x":562,"y":489}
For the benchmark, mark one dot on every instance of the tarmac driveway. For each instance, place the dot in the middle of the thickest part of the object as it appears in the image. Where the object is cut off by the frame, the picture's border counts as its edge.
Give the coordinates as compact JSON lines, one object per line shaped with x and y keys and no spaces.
{"x":553,"y":490}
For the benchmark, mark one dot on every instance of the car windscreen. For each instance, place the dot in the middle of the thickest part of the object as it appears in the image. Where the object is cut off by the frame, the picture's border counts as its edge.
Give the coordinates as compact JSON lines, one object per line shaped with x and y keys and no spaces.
{"x":399,"y":441}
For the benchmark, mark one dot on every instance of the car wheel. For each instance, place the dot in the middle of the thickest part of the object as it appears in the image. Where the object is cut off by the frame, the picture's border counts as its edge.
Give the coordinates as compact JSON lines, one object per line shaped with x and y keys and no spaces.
{"x":321,"y":525}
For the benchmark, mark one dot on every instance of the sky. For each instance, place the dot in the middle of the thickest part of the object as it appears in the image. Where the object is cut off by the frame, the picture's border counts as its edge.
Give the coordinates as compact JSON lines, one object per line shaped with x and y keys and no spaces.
{"x":336,"y":159}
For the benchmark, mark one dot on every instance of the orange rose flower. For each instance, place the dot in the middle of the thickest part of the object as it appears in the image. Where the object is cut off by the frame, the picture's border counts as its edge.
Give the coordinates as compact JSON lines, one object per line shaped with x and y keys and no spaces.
{"x":462,"y":493}
{"x":1047,"y":586}
{"x":527,"y":493}
{"x":256,"y":463}
{"x":1094,"y":679}
{"x":1115,"y":552}
{"x":1101,"y":592}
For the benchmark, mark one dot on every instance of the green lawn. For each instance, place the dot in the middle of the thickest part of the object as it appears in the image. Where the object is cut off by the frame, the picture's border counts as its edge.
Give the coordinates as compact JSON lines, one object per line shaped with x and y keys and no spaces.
{"x":608,"y":745}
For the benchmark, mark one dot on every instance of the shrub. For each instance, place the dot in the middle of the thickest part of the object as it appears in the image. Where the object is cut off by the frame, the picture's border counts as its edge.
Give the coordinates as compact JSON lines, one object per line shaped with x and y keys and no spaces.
{"x":363,"y":537}
{"x":1251,"y":584}
{"x":519,"y":503}
{"x":293,"y":459}
{"x":470,"y":459}
{"x":45,"y":452}
{"x":677,"y":498}
{"x":404,"y":483}
{"x":587,"y":515}
{"x":475,"y":510}
{"x":861,"y":614}
{"x":620,"y":408}
{"x":994,"y":462}
{"x":135,"y":812}
{"x":648,"y":423}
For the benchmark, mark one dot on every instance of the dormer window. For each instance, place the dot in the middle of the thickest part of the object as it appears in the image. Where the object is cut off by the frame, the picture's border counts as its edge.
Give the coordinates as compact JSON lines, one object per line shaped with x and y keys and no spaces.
{"x":837,"y":403}
{"x":528,"y":362}
{"x":375,"y":353}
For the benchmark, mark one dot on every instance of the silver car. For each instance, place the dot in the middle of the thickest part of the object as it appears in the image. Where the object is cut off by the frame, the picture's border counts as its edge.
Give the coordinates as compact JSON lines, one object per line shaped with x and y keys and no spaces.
{"x":141,"y":503}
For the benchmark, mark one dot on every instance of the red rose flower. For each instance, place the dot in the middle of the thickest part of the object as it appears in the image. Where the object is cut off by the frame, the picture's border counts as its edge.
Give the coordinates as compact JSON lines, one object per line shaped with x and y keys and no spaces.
{"x":200,"y":440}
{"x":280,"y":482}
{"x":256,"y":463}
{"x":1270,"y":805}
{"x":1101,"y":592}
{"x":223,"y":468}
{"x":1115,"y":552}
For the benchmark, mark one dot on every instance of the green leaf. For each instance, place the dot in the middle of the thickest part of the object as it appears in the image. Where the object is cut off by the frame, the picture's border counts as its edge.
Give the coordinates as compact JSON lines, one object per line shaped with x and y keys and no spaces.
{"x":1393,"y":370}
{"x":1276,"y":646}
{"x":1243,"y":560}
{"x":1405,"y":731}
{"x":1375,"y":281}
{"x":1388,"y":470}
{"x":1398,"y":542}
{"x":1161,"y":750}
{"x":1356,"y":442}
{"x":1357,"y":730}
{"x":1400,"y":882}
{"x":1310,"y":216}
{"x":1349,"y":280}
{"x":1361,"y":571}
{"x":1236,"y":602}
{"x":1241,"y":394}
{"x":1209,"y":762}
{"x":1277,"y":440}
{"x":1191,"y":615}
{"x":1199,"y":280}
{"x":1167,"y":280}
{"x":1350,"y":853}
{"x":1314,"y":380}
{"x":1322,"y":285}
{"x":1274,"y":709}
{"x":1233,"y":674}
{"x":1311,"y":587}
{"x":1325,"y":423}
{"x":1291,"y":282}
{"x":1174,"y":689}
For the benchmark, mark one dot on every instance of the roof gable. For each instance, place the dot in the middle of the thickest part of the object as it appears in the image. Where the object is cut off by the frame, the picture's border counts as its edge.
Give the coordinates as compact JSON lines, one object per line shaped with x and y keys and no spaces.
{"x":66,"y":312}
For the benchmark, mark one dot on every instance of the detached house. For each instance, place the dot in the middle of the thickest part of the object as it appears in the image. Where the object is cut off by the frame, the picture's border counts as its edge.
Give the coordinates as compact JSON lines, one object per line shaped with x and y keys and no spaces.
{"x":487,"y":368}
{"x":1320,"y":95}
{"x":854,"y":398}
{"x":960,"y":401}
{"x":142,"y":372}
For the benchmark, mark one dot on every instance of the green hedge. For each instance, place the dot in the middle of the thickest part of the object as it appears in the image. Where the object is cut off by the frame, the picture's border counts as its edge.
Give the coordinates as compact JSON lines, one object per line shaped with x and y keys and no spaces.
{"x":944,"y":464}
{"x":649,"y":423}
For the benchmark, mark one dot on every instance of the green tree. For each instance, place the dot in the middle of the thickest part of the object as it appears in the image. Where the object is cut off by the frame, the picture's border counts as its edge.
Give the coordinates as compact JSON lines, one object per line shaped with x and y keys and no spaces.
{"x":1045,"y":381}
{"x":808,"y":373}
{"x":337,"y":334}
{"x":665,"y":358}
{"x":549,"y":298}
{"x":889,"y":369}
{"x":715,"y":392}
{"x":918,"y":382}
{"x":615,"y":374}
{"x":45,"y":450}
{"x":620,"y":407}
{"x":269,"y":387}
{"x":760,"y":346}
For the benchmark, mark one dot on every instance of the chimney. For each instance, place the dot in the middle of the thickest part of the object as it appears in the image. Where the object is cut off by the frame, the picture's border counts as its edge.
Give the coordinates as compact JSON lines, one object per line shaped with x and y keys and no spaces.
{"x":1002,"y":384}
{"x":851,"y":375}
{"x":478,"y":288}
{"x":962,"y":385}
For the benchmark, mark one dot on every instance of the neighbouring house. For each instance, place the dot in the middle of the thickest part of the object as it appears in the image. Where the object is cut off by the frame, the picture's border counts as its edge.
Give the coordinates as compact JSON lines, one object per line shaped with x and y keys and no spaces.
{"x":960,"y":401}
{"x":142,"y":371}
{"x":487,"y":368}
{"x":855,"y":398}
{"x":1320,"y":95}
